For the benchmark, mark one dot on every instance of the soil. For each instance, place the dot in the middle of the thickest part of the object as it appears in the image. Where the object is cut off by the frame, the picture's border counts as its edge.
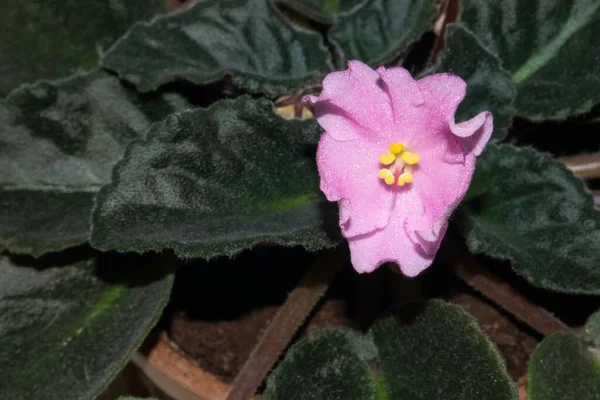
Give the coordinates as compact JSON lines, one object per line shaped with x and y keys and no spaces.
{"x":220,"y":309}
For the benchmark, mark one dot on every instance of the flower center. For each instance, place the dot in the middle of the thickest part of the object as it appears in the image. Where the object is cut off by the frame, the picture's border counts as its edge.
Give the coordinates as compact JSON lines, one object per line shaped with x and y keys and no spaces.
{"x":400,"y":164}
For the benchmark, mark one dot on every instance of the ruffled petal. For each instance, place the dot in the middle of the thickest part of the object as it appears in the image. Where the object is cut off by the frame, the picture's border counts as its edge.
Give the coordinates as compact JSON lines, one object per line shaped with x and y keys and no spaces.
{"x":443,"y":94}
{"x":349,"y":175}
{"x":392,"y":244}
{"x":405,"y":95}
{"x":440,"y":187}
{"x":352,"y":103}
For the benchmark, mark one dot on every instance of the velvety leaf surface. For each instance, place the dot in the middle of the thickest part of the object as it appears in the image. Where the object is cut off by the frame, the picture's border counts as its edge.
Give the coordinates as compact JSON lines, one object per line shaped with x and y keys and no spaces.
{"x":416,"y":352}
{"x":592,"y":330}
{"x":489,"y":86}
{"x":248,"y":39}
{"x":52,"y":39}
{"x":525,"y":207}
{"x":37,"y":222}
{"x":548,"y":46}
{"x":325,"y":11}
{"x":134,"y":398}
{"x":381,"y":30}
{"x":58,"y":143}
{"x":216,"y":181}
{"x":328,"y":365}
{"x":562,"y":367}
{"x":67,"y":329}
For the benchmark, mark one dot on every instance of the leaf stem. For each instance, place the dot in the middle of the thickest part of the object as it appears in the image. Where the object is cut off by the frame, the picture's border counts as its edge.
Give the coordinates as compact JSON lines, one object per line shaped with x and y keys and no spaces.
{"x":503,"y":294}
{"x":289,"y":318}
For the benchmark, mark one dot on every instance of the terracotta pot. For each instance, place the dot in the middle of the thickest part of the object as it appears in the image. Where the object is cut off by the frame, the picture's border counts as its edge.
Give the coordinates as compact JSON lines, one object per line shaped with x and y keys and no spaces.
{"x":169,"y":374}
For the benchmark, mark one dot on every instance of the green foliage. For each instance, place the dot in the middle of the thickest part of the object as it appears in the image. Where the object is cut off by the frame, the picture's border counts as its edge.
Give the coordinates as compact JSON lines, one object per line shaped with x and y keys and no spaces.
{"x":526,"y":207}
{"x":550,"y":47}
{"x":58,"y":144}
{"x":324,"y":11}
{"x":562,"y":367}
{"x":134,"y":398}
{"x":489,"y":87}
{"x":416,"y":352}
{"x":381,"y":30}
{"x":248,"y":39}
{"x":66,"y":329}
{"x":215,"y":181}
{"x":53,"y":39}
{"x":592,"y":330}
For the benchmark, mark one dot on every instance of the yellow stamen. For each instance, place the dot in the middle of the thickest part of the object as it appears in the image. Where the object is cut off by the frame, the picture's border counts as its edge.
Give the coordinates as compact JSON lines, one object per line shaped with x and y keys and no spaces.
{"x":386,"y":175}
{"x":410,"y":158}
{"x":387,"y":159}
{"x":400,"y":165}
{"x":396,"y":147}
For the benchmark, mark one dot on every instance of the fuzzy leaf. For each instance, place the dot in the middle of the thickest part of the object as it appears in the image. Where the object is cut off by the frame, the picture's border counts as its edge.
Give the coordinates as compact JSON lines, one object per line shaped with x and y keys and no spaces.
{"x":562,"y":367}
{"x":381,"y":30}
{"x":525,"y":207}
{"x":53,"y":39}
{"x":489,"y":87}
{"x":67,"y":329}
{"x":416,"y":352}
{"x":325,"y":11}
{"x":216,"y":181}
{"x":248,"y":39}
{"x":548,"y":46}
{"x":58,"y":143}
{"x":592,"y":330}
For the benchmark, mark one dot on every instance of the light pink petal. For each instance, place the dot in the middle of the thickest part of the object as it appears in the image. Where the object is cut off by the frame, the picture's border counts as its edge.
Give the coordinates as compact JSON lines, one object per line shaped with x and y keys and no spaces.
{"x":392,"y":244}
{"x":441,"y":186}
{"x":352,"y":103}
{"x":349,"y":175}
{"x":443,"y":94}
{"x":405,"y":95}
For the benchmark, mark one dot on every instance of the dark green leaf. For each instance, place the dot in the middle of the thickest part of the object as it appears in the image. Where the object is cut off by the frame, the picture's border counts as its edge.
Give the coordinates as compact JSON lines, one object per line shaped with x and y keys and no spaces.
{"x":37,"y":222}
{"x":592,"y":330}
{"x":489,"y":87}
{"x":381,"y":30}
{"x":65,"y":332}
{"x":414,"y":353}
{"x":549,"y":47}
{"x":562,"y":367}
{"x":216,"y":181}
{"x":328,"y":365}
{"x":525,"y":207}
{"x":248,"y":39}
{"x":325,"y":11}
{"x":134,"y":398}
{"x":58,"y":144}
{"x":52,"y":39}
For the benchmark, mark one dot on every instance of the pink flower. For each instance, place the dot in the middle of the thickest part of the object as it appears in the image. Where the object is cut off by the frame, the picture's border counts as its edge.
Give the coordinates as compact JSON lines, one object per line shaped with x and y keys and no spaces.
{"x":395,"y":160}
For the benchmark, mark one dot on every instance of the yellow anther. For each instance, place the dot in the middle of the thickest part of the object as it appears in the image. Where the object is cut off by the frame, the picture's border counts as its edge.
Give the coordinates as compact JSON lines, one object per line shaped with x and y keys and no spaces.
{"x":410,"y":158}
{"x":387,"y":159}
{"x":386,"y":175}
{"x":400,"y":181}
{"x":396,"y":147}
{"x":407,"y":177}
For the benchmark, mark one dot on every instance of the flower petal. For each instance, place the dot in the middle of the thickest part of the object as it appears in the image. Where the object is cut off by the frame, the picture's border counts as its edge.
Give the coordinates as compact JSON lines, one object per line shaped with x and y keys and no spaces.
{"x":405,"y":95}
{"x":444,"y":92}
{"x":440,"y":186}
{"x":349,"y":175}
{"x":392,"y":244}
{"x":352,"y":103}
